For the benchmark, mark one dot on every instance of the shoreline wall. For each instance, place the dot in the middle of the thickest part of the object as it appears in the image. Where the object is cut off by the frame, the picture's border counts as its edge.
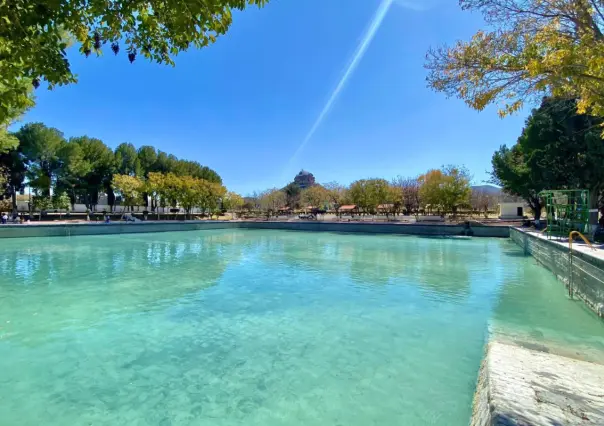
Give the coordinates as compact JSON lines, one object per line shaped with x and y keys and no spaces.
{"x":99,"y":228}
{"x":587,"y":271}
{"x":520,"y":386}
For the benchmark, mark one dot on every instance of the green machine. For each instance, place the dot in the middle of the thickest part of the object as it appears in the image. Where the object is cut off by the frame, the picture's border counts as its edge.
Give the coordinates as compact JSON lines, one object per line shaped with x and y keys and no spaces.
{"x":567,"y":211}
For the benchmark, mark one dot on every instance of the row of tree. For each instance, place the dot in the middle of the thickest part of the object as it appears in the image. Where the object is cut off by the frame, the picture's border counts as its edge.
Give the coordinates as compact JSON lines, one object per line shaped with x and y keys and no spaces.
{"x":169,"y":189}
{"x":558,"y":149}
{"x":84,"y":167}
{"x":443,"y":191}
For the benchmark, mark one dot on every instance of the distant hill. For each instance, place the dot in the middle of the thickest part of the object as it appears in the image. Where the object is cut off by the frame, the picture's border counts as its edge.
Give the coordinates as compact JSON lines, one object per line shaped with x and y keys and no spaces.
{"x":489,"y":189}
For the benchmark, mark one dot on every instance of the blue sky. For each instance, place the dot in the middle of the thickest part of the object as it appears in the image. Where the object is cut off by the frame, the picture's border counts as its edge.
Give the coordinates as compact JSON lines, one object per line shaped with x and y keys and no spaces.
{"x":245,"y":105}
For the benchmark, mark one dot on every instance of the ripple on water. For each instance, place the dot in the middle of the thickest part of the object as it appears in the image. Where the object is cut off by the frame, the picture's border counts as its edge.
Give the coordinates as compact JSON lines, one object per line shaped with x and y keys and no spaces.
{"x":236,"y":327}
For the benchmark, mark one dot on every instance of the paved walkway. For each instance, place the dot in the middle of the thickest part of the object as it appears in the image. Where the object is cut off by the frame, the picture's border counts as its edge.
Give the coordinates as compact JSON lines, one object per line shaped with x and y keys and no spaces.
{"x":578,"y":245}
{"x":524,"y":387}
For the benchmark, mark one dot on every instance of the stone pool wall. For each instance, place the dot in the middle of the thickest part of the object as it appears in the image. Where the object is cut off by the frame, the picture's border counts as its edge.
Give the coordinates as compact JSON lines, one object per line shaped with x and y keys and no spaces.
{"x":53,"y":230}
{"x":587,"y":271}
{"x":383,"y":228}
{"x":100,"y":228}
{"x":520,"y":386}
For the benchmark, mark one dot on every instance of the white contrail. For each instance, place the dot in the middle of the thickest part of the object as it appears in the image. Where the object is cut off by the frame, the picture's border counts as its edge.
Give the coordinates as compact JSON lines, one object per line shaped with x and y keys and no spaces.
{"x":378,"y":18}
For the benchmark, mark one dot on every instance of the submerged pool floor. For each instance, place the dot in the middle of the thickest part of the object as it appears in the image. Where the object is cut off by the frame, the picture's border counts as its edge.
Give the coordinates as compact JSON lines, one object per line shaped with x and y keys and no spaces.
{"x":251,"y":327}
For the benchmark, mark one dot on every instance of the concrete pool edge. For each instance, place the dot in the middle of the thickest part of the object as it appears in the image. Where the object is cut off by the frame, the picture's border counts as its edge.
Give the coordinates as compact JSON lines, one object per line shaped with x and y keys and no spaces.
{"x":385,"y":228}
{"x":587,"y":270}
{"x":520,"y":386}
{"x":72,"y":229}
{"x":100,"y":228}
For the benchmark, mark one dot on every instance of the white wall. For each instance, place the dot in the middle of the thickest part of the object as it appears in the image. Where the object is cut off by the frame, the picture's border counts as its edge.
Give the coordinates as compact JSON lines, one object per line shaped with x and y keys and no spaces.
{"x":510,"y":210}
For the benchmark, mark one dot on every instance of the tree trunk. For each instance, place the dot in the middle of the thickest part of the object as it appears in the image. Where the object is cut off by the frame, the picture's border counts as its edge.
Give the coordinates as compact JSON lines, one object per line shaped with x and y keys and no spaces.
{"x":14,"y":199}
{"x":111,"y":199}
{"x":537,"y":208}
{"x":594,"y":201}
{"x":48,"y":175}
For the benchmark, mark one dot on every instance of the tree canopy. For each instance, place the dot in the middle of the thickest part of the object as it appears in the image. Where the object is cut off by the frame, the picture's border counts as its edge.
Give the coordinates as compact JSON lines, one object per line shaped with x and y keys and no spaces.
{"x":126,"y":160}
{"x":336,"y":194}
{"x":558,"y":149}
{"x":7,"y":141}
{"x":532,"y":47}
{"x":315,"y":196}
{"x":292,"y":195}
{"x":368,"y":194}
{"x":272,"y":200}
{"x":147,"y":158}
{"x":445,"y":189}
{"x":409,"y":192}
{"x":232,"y":201}
{"x":35,"y":36}
{"x":82,"y":167}
{"x":130,"y":188}
{"x":41,"y":145}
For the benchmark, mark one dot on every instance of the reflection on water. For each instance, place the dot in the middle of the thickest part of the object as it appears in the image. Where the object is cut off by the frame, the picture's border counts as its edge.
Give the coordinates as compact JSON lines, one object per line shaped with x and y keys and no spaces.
{"x":53,"y":283}
{"x":246,"y":327}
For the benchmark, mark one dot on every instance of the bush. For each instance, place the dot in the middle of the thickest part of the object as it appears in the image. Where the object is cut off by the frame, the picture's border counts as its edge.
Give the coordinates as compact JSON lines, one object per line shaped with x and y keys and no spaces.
{"x":6,"y":205}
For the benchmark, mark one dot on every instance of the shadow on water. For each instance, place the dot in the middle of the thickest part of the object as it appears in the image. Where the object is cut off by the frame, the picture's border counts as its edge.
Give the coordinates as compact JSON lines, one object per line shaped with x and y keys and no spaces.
{"x":374,"y":234}
{"x":515,"y":253}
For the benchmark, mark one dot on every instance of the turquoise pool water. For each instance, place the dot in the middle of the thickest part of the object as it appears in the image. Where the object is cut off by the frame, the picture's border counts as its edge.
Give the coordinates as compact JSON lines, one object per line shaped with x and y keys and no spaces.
{"x":250,"y":327}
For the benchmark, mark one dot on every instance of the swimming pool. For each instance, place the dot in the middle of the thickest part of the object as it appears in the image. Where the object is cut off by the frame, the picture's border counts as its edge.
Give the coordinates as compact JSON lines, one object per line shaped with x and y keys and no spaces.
{"x":259,"y":327}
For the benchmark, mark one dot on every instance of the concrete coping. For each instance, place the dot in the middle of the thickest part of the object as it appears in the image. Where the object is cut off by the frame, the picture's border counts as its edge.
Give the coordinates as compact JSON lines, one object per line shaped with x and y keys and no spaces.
{"x":595,"y":254}
{"x":97,"y":228}
{"x":520,"y":386}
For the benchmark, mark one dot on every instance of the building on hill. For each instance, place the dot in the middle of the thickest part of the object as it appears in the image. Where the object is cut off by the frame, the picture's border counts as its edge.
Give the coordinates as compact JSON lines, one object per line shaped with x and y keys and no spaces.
{"x":304,"y":179}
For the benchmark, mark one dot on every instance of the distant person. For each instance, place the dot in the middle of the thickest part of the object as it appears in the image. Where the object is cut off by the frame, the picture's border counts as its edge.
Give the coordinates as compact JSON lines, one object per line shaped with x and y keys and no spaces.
{"x":599,"y":233}
{"x":4,"y":218}
{"x":106,"y":218}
